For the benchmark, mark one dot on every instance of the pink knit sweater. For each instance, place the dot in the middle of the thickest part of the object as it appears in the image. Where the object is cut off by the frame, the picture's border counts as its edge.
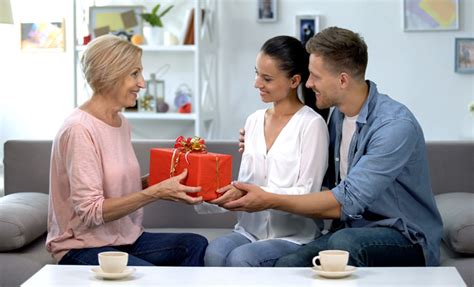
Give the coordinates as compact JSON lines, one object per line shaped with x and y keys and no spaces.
{"x":90,"y":161}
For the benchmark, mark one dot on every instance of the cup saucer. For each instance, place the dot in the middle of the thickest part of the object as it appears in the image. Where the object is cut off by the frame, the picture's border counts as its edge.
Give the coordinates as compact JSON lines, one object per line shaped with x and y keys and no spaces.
{"x":335,"y":274}
{"x":98,"y":272}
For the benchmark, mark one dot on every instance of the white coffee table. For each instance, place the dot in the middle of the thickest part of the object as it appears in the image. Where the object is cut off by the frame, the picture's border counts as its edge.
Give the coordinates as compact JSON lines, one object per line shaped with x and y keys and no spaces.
{"x":67,"y":275}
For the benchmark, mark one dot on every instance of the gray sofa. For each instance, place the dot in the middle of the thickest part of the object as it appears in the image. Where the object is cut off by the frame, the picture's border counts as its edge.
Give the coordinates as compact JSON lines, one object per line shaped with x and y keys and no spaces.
{"x":23,"y":208}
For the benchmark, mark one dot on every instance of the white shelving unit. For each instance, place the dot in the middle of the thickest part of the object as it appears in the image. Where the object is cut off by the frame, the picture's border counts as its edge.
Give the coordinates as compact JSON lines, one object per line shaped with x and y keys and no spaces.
{"x":202,"y":57}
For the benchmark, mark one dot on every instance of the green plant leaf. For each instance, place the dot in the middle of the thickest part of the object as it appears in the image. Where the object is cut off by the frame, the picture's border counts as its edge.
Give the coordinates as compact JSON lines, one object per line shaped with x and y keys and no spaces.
{"x":159,"y":23}
{"x":166,"y":11}
{"x":153,"y":18}
{"x":155,"y":9}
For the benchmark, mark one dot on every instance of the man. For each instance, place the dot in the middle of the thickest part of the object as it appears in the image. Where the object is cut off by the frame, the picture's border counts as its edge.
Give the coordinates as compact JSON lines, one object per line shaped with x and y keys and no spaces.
{"x":378,"y":170}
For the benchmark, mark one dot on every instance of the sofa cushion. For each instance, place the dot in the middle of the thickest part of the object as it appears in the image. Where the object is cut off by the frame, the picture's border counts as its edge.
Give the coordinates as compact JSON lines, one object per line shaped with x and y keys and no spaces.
{"x":23,"y":218}
{"x":457,"y":213}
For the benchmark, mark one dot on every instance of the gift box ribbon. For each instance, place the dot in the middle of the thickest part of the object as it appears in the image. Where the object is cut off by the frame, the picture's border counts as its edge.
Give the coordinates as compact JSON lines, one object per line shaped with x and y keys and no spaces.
{"x":188,"y":145}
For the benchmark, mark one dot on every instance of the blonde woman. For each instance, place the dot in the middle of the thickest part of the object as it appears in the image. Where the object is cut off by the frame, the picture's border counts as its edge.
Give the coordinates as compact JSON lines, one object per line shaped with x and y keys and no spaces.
{"x":96,"y":192}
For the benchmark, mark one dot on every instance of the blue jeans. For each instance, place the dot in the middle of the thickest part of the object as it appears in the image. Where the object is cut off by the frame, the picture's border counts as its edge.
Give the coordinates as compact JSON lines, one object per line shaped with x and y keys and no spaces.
{"x":150,"y":249}
{"x":368,"y":247}
{"x":234,"y":249}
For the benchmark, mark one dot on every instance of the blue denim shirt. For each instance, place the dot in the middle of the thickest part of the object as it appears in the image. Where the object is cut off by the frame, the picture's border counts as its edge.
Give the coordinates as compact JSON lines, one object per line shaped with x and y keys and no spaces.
{"x":388,"y":182}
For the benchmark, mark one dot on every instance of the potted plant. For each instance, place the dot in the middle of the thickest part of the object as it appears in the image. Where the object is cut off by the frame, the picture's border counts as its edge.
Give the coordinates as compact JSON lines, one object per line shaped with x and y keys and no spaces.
{"x":154,"y":32}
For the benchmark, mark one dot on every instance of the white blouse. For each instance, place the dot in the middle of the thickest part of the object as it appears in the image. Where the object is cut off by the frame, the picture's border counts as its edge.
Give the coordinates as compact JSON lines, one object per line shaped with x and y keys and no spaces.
{"x":295,"y":164}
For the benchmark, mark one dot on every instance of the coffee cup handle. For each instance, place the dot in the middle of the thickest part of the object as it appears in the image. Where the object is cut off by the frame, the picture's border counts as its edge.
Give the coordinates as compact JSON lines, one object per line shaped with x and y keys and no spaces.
{"x":315,"y":259}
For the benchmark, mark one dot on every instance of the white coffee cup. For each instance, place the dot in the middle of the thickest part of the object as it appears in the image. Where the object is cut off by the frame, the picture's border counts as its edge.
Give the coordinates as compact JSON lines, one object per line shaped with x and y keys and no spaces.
{"x":113,"y":261}
{"x":332,"y":260}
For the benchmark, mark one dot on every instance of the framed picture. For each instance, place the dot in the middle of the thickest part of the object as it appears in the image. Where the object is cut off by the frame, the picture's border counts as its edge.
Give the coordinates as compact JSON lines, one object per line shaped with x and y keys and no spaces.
{"x":306,"y":27}
{"x":267,"y":10}
{"x":420,"y":15}
{"x":464,"y":58}
{"x":43,"y":36}
{"x":124,"y":21}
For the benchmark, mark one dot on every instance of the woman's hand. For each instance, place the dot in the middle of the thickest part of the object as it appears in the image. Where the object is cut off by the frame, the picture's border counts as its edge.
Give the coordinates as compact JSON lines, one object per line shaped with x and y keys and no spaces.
{"x":172,"y":189}
{"x":229,"y":193}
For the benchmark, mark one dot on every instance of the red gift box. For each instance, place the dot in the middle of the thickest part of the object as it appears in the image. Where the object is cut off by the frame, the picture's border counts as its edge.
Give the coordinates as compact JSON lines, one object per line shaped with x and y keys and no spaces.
{"x":211,"y":171}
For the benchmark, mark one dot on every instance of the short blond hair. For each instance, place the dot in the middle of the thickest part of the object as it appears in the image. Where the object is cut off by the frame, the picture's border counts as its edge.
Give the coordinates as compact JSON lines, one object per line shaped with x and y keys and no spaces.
{"x":106,"y":61}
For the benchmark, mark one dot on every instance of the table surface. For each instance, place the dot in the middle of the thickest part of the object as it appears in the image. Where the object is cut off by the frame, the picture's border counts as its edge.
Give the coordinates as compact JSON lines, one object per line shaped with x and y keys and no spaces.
{"x":69,"y":275}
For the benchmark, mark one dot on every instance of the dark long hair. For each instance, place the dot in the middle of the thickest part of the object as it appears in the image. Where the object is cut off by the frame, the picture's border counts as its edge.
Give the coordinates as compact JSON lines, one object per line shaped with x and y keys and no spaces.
{"x":294,"y":60}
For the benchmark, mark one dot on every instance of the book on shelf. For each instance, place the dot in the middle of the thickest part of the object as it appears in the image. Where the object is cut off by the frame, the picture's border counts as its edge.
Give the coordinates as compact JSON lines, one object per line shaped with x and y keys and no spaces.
{"x":188,"y":31}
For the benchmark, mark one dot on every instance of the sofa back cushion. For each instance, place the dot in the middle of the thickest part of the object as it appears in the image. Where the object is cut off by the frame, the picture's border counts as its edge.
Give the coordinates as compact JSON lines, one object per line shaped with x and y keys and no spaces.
{"x":26,"y":167}
{"x":451,"y":166}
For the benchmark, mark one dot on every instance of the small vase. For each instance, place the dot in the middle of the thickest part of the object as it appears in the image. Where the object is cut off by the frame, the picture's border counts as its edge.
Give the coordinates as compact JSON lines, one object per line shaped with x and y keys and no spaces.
{"x":161,"y":105}
{"x":170,"y":39}
{"x":153,"y":35}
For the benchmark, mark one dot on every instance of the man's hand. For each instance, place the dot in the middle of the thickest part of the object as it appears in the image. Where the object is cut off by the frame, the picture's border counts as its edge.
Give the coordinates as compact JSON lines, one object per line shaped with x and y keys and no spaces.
{"x":255,"y":199}
{"x":229,"y":193}
{"x":241,"y":140}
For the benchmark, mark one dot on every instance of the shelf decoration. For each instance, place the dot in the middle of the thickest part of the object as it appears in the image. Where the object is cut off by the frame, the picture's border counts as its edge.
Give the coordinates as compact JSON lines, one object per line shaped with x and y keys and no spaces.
{"x":122,"y":21}
{"x":182,"y":99}
{"x":421,"y":15}
{"x":42,"y":36}
{"x":306,"y":27}
{"x":158,"y":90}
{"x":267,"y":10}
{"x":147,"y":102}
{"x":188,"y":35}
{"x":154,"y":30}
{"x":464,"y":59}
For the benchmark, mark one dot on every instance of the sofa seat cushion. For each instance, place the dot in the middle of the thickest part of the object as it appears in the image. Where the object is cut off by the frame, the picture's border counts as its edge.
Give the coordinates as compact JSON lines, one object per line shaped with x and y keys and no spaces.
{"x":457,"y":212}
{"x":23,"y":218}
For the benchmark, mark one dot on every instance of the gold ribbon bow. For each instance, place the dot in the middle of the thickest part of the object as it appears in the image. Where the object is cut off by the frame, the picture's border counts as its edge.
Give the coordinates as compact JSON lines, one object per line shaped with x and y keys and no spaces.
{"x":186,"y":145}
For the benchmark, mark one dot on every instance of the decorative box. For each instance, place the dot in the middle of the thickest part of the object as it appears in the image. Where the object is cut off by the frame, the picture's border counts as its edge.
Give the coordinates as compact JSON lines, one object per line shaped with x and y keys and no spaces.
{"x":209,"y":170}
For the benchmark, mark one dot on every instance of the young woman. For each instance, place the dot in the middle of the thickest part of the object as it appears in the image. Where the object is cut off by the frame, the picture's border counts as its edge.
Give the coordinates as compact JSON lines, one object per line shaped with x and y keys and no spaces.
{"x":285,"y":152}
{"x":96,"y":191}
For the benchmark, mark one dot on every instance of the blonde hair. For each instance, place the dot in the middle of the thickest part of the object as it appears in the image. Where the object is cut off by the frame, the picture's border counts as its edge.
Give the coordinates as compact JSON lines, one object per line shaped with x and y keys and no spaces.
{"x":106,"y":61}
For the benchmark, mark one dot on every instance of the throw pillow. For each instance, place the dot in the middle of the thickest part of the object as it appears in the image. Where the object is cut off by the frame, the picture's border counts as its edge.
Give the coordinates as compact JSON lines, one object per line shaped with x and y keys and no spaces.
{"x":23,"y":218}
{"x":457,"y":213}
